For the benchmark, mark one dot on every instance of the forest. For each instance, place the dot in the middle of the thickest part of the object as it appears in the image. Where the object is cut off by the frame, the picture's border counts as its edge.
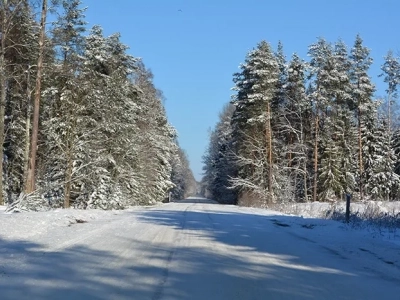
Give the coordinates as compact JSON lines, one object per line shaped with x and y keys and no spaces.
{"x":306,"y":130}
{"x":81,"y":123}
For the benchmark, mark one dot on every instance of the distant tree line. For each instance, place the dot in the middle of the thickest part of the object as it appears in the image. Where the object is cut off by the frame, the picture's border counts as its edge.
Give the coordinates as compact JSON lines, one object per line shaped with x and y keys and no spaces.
{"x":81,"y":123}
{"x":306,"y":131}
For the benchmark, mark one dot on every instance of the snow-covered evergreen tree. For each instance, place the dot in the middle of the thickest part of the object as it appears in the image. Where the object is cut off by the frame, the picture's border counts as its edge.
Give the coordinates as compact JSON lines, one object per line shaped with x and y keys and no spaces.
{"x":321,"y":54}
{"x":256,"y":87}
{"x":18,"y":70}
{"x":334,"y":123}
{"x":391,"y":73}
{"x":104,"y":138}
{"x":219,"y":164}
{"x":156,"y":141}
{"x":182,"y":177}
{"x":396,"y":148}
{"x":362,"y":90}
{"x":344,"y":131}
{"x":63,"y":100}
{"x":109,"y":130}
{"x":296,"y":126}
{"x":280,"y":100}
{"x":381,"y":180}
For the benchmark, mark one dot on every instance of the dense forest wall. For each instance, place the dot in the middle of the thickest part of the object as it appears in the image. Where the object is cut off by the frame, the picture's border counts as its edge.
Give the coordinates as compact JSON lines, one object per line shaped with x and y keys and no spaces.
{"x":306,"y":130}
{"x":81,"y":123}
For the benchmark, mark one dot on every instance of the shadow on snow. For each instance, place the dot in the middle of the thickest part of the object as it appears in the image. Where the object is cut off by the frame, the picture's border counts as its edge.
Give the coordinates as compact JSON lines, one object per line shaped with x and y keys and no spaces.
{"x":249,"y":255}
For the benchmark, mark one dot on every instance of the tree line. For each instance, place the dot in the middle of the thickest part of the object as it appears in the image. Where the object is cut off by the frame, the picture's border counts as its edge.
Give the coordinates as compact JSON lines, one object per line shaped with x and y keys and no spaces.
{"x":306,"y":130}
{"x":81,"y":122}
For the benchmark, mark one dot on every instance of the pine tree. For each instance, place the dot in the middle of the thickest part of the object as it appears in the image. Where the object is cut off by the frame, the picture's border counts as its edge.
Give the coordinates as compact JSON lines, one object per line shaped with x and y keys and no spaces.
{"x":297,"y":126}
{"x":65,"y":105}
{"x":279,"y":101}
{"x":16,"y":48}
{"x":104,"y":137}
{"x":68,"y":31}
{"x":333,"y":118}
{"x":391,"y":73}
{"x":31,"y":173}
{"x":363,"y":91}
{"x":3,"y":83}
{"x":320,"y":71}
{"x":20,"y":54}
{"x":256,"y":87}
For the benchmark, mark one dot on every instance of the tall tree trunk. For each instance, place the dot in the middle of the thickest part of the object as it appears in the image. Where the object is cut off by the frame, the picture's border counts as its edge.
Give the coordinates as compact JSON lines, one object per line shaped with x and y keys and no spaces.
{"x":316,"y":157}
{"x":69,"y":157}
{"x":2,"y":113}
{"x":3,"y":90}
{"x":30,"y":180}
{"x":290,"y":154}
{"x":389,"y":129}
{"x":305,"y":181}
{"x":389,"y":118}
{"x":68,"y":179}
{"x":269,"y":139}
{"x":360,"y":156}
{"x":27,"y":124}
{"x":302,"y":139}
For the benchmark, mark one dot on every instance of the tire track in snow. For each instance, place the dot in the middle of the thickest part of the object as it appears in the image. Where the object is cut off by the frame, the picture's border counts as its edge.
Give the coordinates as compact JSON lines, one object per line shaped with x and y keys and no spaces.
{"x":165,"y":275}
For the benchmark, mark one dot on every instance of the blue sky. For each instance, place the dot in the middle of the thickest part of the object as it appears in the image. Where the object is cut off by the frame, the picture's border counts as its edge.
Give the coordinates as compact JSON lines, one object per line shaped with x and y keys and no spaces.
{"x":194,"y":46}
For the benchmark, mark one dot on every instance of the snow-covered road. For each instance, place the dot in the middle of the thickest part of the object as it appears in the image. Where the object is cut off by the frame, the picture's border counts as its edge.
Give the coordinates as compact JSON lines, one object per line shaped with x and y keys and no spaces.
{"x":193,"y":249}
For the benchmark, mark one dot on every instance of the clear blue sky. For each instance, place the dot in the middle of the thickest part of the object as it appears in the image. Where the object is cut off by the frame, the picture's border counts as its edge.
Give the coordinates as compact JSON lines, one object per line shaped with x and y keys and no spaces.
{"x":194,"y":46}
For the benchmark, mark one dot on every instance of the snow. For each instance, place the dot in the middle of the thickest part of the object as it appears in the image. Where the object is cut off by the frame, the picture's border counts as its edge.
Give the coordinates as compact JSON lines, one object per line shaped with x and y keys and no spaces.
{"x":194,"y":249}
{"x":26,"y":225}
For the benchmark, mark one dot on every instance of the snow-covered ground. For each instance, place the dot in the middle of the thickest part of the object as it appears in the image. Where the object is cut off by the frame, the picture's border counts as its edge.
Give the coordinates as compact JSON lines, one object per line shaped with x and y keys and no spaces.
{"x":194,"y":249}
{"x":366,"y":209}
{"x":378,"y":219}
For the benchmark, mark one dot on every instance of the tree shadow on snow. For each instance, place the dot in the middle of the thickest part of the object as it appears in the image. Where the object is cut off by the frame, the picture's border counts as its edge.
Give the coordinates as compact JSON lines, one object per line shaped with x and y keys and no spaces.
{"x":246,"y":251}
{"x":215,"y":255}
{"x":29,"y":271}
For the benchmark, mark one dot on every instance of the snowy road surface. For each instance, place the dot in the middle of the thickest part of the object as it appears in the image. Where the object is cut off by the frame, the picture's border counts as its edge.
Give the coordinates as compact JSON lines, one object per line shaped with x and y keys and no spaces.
{"x":194,"y":249}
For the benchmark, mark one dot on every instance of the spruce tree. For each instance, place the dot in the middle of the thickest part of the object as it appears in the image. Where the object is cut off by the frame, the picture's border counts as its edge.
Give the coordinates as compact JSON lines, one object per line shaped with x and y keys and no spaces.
{"x":182,"y":177}
{"x":219,"y":163}
{"x":381,"y":180}
{"x":362,"y":90}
